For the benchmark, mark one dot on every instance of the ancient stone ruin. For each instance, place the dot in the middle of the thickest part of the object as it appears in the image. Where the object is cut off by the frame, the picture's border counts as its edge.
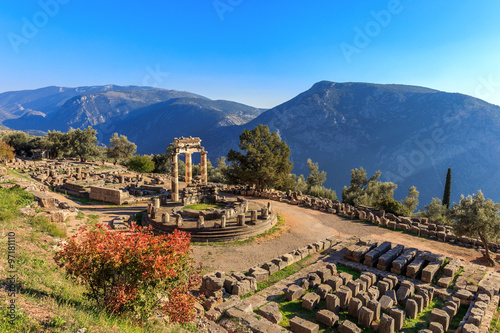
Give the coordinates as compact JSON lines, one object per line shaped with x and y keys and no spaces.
{"x":187,"y":146}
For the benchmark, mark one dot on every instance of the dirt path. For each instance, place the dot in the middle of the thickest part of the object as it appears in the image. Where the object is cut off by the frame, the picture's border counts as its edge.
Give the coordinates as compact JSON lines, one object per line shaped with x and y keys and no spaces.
{"x":305,"y":226}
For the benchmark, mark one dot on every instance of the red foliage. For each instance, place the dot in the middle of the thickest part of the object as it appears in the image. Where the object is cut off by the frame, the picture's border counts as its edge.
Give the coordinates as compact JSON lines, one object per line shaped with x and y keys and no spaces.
{"x":126,"y":270}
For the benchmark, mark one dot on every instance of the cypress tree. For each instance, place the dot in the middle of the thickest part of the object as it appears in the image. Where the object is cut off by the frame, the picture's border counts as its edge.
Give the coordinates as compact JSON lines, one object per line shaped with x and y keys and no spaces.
{"x":447,"y":190}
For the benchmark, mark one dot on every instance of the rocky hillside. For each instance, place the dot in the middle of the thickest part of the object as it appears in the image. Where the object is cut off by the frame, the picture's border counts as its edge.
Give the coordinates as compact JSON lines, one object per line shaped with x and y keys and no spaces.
{"x":411,"y":134}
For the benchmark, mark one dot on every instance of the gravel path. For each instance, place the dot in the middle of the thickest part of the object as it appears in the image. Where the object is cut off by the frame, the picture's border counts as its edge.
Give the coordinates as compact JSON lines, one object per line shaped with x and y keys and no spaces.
{"x":304,"y":226}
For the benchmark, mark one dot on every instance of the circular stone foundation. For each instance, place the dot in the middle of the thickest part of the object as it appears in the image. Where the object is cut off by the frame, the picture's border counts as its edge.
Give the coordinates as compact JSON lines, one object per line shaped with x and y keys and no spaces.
{"x":212,"y":230}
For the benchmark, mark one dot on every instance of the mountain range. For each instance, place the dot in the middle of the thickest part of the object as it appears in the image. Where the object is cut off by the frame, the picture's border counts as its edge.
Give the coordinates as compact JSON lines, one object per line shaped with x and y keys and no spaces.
{"x":412,"y":134}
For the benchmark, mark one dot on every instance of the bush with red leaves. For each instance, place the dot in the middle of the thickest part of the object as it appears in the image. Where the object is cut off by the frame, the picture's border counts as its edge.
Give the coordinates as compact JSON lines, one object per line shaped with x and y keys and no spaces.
{"x":134,"y":271}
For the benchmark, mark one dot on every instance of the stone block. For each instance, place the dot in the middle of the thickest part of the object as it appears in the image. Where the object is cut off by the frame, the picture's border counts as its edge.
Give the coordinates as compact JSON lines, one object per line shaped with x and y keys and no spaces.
{"x":324,"y":274}
{"x":386,"y":324}
{"x":344,"y":295}
{"x":375,"y":307}
{"x":386,"y":302}
{"x":399,"y":318}
{"x":332,"y":267}
{"x":271,"y":312}
{"x":365,"y":317}
{"x":354,"y":286}
{"x":354,"y":306}
{"x":270,"y":267}
{"x":333,"y":303}
{"x":430,"y":271}
{"x":470,"y":328}
{"x":327,"y":318}
{"x":411,"y":308}
{"x":383,"y":286}
{"x":436,"y":327}
{"x":259,"y":274}
{"x":299,"y":325}
{"x":293,"y":292}
{"x":392,"y":295}
{"x":348,"y":327}
{"x":440,"y":316}
{"x":323,"y":290}
{"x":310,"y":301}
{"x":450,"y":311}
{"x":335,"y":282}
{"x":314,"y":280}
{"x":241,"y":288}
{"x":425,"y":296}
{"x":403,"y":294}
{"x":346,"y":277}
{"x":374,"y":293}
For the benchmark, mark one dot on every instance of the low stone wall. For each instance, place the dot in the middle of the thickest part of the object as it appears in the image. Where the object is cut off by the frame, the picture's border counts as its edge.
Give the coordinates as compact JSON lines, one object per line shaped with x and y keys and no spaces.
{"x":116,"y":197}
{"x":417,"y":226}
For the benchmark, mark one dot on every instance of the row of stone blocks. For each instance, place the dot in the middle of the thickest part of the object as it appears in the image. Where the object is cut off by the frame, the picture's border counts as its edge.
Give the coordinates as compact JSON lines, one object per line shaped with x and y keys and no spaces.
{"x":215,"y":284}
{"x":416,"y":226}
{"x":399,"y":260}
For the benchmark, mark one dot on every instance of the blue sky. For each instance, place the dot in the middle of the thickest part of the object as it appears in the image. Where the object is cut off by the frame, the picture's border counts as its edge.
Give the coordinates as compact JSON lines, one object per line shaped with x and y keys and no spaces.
{"x":256,"y":52}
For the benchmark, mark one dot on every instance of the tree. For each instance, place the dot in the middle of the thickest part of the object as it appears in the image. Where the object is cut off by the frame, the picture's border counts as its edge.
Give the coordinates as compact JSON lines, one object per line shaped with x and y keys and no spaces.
{"x":447,"y":190}
{"x":411,"y":201}
{"x":120,"y":148}
{"x":266,"y":161}
{"x":436,"y":212}
{"x":141,"y":163}
{"x":57,"y":143}
{"x":364,"y":191}
{"x":474,"y":216}
{"x":23,"y":143}
{"x":301,"y":184}
{"x":6,"y":152}
{"x":83,"y":143}
{"x":217,"y":175}
{"x":315,"y":177}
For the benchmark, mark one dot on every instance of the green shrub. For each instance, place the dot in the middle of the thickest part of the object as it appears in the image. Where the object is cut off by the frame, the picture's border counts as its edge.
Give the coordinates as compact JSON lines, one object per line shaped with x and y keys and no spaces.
{"x":141,"y":163}
{"x":392,"y":206}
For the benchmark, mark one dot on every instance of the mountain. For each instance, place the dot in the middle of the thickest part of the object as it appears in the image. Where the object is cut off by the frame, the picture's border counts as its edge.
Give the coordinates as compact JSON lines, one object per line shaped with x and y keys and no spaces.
{"x":14,"y":104}
{"x":152,"y":128}
{"x":92,"y":108}
{"x":150,"y":117}
{"x":411,"y":134}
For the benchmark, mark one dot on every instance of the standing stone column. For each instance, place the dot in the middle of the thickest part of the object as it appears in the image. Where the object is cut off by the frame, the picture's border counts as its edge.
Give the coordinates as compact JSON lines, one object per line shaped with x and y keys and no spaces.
{"x":175,"y":178}
{"x":178,"y":220}
{"x":189,"y":168}
{"x":204,"y":168}
{"x":223,"y":221}
{"x":240,"y":219}
{"x":156,"y":203}
{"x":253,"y":216}
{"x":201,"y":222}
{"x":165,"y":218}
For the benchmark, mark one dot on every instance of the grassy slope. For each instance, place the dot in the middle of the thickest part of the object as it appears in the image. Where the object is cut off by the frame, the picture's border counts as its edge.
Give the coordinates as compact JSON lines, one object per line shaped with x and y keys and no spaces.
{"x":46,"y":301}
